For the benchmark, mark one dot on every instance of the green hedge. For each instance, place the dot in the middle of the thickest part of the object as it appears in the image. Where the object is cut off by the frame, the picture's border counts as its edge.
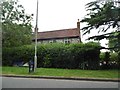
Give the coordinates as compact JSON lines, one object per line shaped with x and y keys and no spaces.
{"x":56,"y":55}
{"x":111,"y":59}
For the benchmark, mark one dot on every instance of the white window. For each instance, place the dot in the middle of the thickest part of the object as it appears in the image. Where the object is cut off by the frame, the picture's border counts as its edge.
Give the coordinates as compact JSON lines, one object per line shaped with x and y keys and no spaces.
{"x":66,"y":41}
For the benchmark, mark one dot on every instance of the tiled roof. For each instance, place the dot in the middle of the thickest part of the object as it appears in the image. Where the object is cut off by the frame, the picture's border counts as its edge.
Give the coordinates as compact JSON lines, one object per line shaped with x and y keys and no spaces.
{"x":73,"y":32}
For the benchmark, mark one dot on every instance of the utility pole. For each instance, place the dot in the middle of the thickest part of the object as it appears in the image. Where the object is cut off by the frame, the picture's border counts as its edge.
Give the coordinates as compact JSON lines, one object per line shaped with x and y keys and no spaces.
{"x":36,"y":31}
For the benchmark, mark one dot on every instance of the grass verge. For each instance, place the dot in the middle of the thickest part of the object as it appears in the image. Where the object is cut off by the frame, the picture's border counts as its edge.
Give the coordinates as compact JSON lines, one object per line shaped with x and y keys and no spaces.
{"x":62,"y":72}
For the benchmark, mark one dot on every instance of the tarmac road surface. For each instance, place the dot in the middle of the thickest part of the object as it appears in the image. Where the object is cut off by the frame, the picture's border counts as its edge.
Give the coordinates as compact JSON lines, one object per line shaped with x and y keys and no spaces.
{"x":12,"y":82}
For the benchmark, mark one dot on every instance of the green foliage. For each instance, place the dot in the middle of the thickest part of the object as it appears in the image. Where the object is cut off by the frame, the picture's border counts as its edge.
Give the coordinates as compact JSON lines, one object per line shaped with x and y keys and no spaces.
{"x":112,"y":56}
{"x":114,"y":42}
{"x":83,"y":56}
{"x":107,"y":56}
{"x":100,"y":14}
{"x":16,"y":24}
{"x":104,"y":15}
{"x":15,"y":35}
{"x":11,"y":55}
{"x":119,"y":57}
{"x":102,"y":55}
{"x":15,"y":13}
{"x":111,"y":59}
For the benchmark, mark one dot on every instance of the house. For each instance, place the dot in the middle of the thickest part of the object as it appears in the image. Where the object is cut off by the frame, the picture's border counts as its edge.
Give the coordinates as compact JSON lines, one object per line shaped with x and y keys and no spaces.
{"x":71,"y":35}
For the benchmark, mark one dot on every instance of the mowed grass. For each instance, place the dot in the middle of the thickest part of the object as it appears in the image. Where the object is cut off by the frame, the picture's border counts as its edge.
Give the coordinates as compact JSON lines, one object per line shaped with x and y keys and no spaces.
{"x":61,"y":72}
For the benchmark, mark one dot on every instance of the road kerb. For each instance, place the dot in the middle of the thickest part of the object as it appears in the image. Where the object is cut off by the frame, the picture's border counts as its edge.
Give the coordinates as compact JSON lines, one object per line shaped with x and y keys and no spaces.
{"x":62,"y":78}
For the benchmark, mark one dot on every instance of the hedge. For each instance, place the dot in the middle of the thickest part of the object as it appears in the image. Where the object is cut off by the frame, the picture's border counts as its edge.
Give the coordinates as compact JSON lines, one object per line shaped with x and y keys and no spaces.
{"x":56,"y":55}
{"x":111,"y":59}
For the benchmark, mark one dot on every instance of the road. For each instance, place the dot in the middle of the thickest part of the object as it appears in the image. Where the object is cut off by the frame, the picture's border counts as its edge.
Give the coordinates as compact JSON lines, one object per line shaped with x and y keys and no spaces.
{"x":10,"y":82}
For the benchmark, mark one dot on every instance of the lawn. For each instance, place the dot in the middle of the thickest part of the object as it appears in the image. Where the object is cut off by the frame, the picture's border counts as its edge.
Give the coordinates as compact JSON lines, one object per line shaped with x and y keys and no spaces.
{"x":62,"y":72}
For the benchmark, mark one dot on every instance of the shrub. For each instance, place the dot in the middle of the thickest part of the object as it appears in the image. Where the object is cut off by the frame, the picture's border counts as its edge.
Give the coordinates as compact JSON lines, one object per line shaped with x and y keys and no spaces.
{"x":111,"y":60}
{"x":114,"y":57}
{"x":56,"y":55}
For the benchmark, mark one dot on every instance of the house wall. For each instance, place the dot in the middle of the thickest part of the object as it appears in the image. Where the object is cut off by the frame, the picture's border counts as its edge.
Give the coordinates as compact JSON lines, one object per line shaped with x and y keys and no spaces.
{"x":64,"y":40}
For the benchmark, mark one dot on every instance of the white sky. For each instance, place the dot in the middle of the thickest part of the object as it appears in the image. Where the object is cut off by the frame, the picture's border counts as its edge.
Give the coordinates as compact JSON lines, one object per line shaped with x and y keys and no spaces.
{"x":58,"y":14}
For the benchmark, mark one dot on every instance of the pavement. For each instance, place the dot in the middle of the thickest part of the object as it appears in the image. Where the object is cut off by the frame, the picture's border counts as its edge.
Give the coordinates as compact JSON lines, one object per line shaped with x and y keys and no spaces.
{"x":62,"y":78}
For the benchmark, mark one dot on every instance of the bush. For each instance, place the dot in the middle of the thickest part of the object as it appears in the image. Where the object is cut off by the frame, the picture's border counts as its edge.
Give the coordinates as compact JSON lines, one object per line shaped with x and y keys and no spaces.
{"x":114,"y":57}
{"x":110,"y":59}
{"x":56,"y":55}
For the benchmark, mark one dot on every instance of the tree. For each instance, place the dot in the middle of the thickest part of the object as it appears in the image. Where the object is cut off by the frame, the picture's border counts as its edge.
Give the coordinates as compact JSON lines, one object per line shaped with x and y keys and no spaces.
{"x":103,"y":14}
{"x":16,"y":24}
{"x":113,"y":42}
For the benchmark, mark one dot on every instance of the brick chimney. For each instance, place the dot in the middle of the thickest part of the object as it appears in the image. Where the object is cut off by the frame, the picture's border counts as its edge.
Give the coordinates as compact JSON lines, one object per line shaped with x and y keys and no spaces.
{"x":78,"y":27}
{"x":78,"y":24}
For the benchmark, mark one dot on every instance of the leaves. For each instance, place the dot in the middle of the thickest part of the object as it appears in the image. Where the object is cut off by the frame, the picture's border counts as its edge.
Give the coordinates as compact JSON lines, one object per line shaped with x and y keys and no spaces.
{"x":16,"y":24}
{"x":114,"y":41}
{"x":56,"y":55}
{"x":101,"y":14}
{"x":106,"y":15}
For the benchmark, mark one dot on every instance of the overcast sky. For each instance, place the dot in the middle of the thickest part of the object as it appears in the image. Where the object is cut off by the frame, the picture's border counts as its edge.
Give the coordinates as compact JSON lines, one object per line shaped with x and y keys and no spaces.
{"x":58,"y":14}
